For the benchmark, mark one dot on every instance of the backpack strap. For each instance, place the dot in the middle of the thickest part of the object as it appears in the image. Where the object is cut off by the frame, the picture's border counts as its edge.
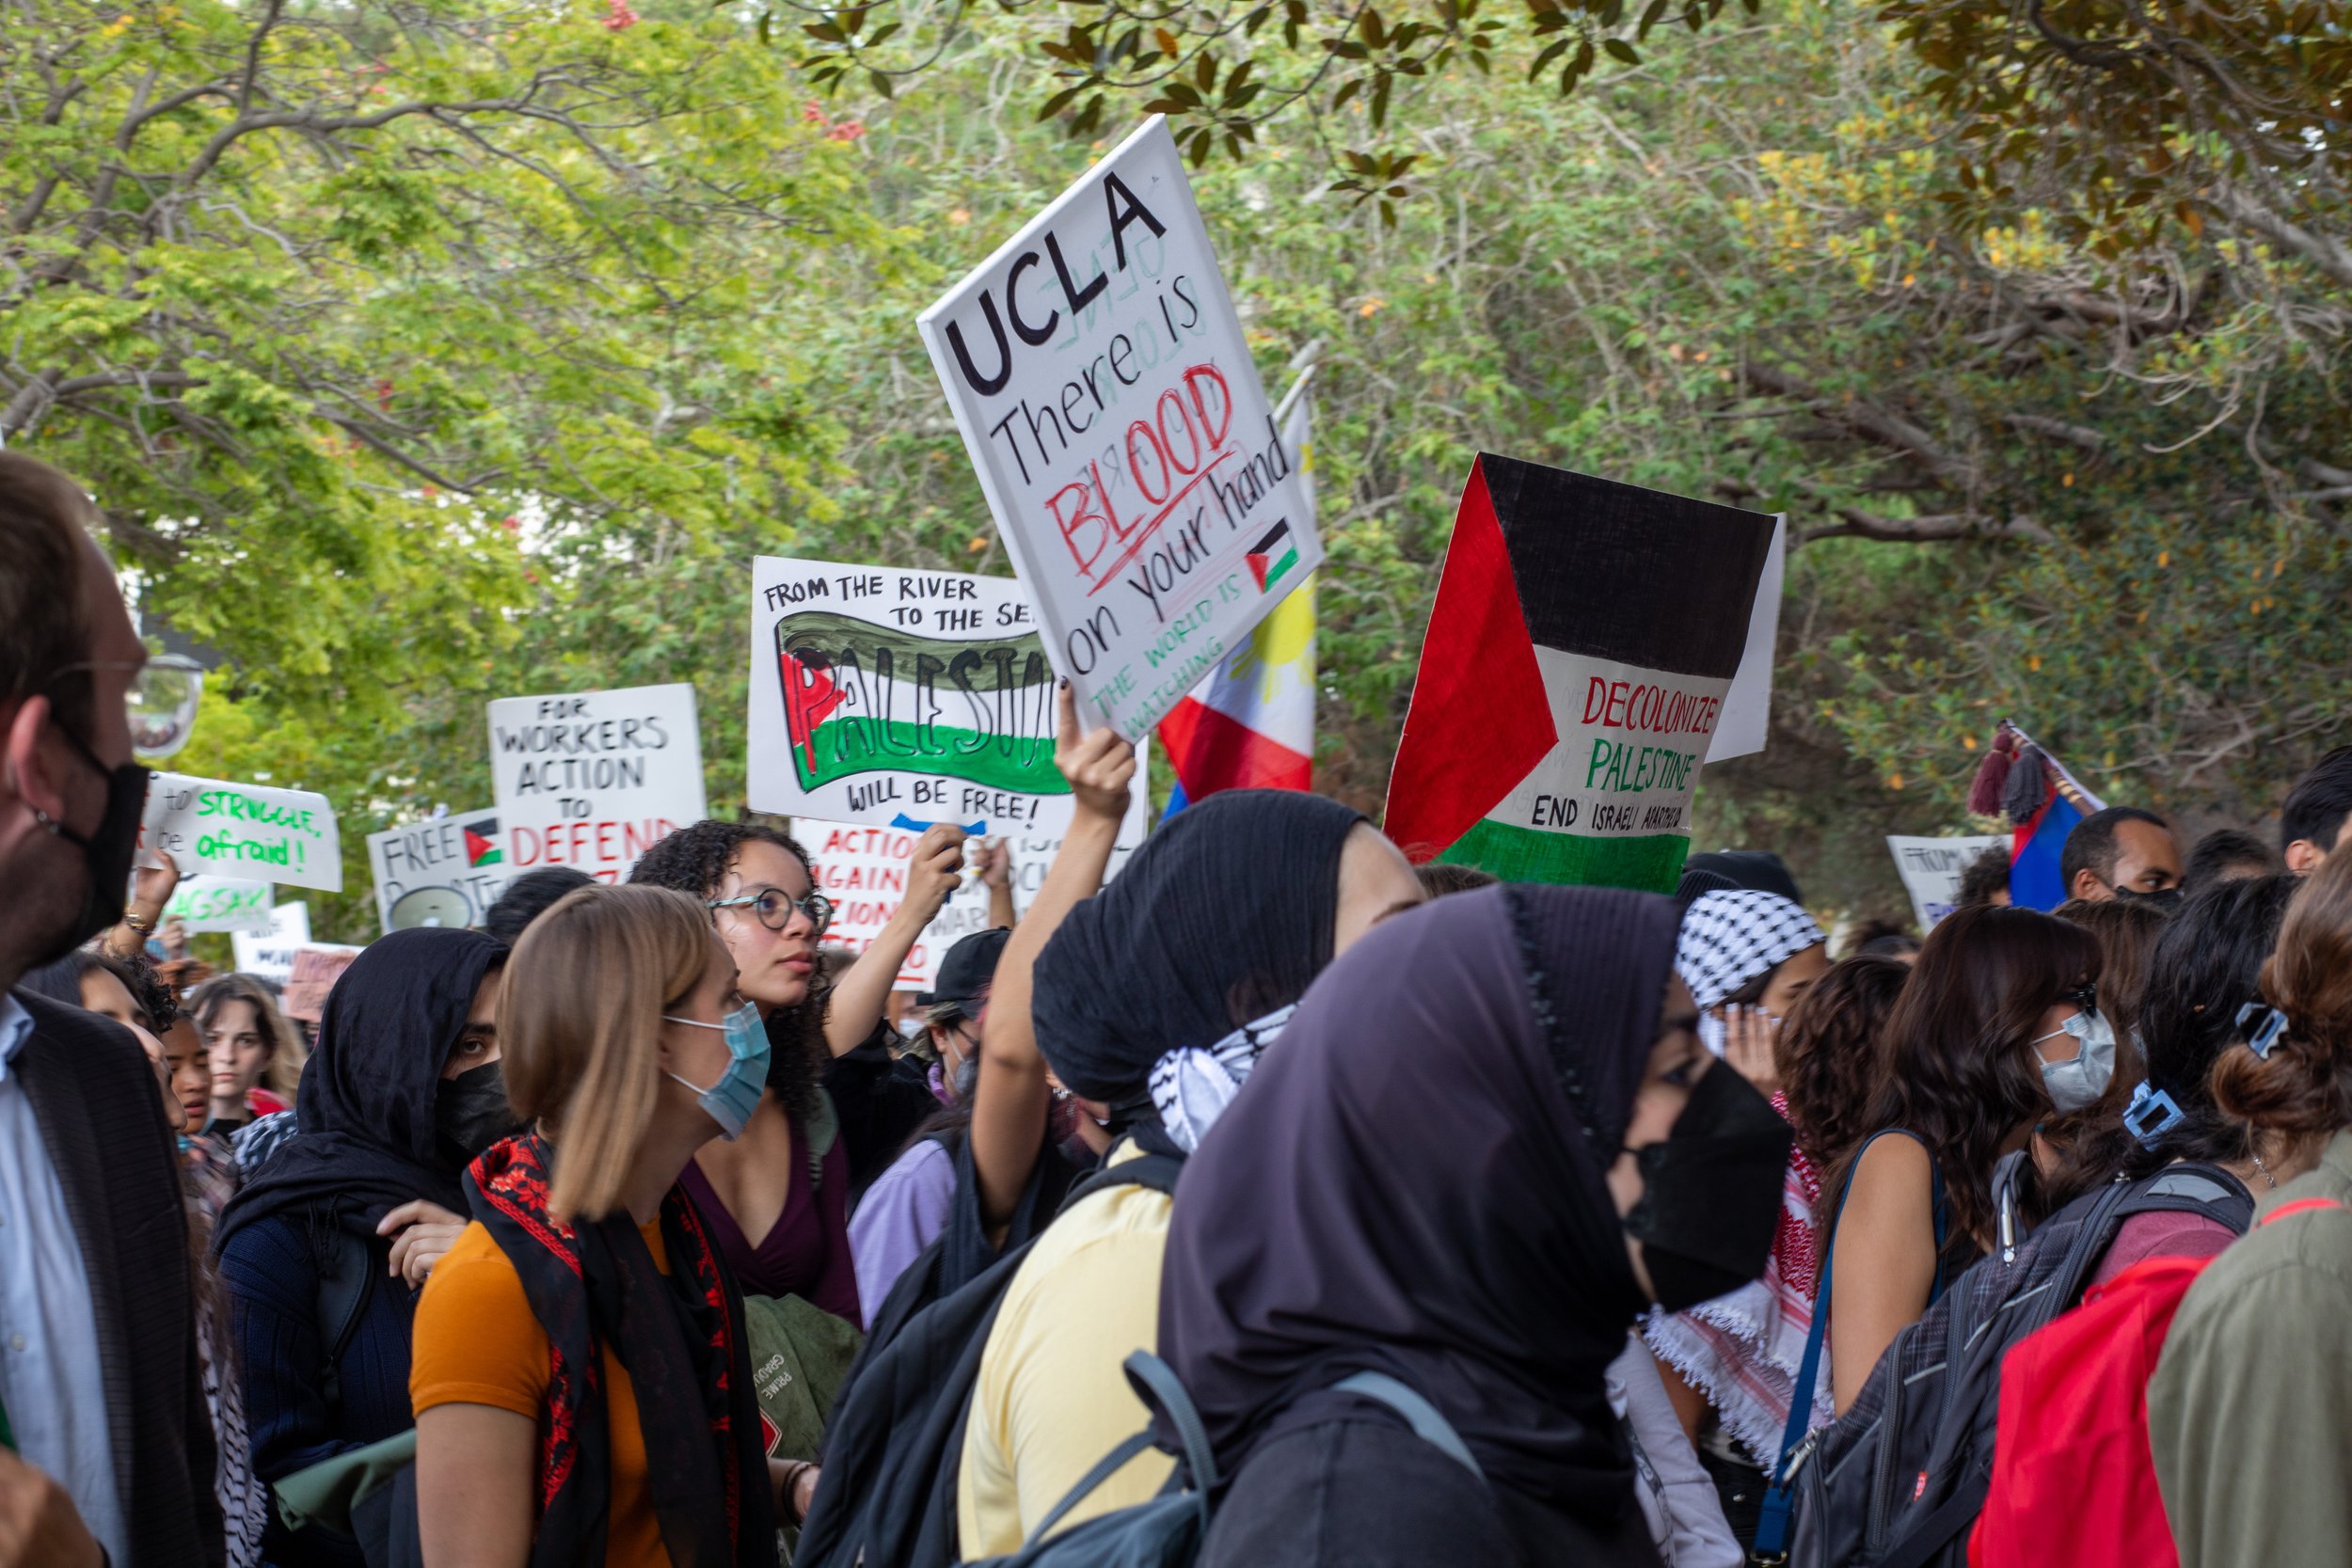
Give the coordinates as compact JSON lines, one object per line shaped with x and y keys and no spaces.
{"x":345,"y":1291}
{"x":1156,"y":1383}
{"x":1425,"y":1420}
{"x":1157,"y":1171}
{"x":1772,"y":1529}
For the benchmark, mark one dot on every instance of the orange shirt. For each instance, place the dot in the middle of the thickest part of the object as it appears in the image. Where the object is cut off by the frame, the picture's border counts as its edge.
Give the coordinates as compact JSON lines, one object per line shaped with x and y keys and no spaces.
{"x":477,"y":1343}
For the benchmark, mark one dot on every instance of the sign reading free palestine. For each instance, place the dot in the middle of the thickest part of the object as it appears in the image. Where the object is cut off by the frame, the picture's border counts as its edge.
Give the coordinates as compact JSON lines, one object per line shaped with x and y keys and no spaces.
{"x":1128,"y":451}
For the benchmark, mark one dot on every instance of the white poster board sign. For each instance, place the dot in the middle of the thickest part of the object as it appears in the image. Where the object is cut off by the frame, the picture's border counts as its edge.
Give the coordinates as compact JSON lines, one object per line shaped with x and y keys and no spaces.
{"x":897,"y":699}
{"x":864,"y":871}
{"x":595,"y":779}
{"x":1747,"y":720}
{"x":270,"y":954}
{"x":244,"y":831}
{"x":220,"y":904}
{"x":442,"y":872}
{"x":1931,"y":867}
{"x":1129,"y":454}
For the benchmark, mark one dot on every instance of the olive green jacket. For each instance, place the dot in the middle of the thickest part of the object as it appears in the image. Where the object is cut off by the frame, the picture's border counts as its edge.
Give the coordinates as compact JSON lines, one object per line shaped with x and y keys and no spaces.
{"x":2249,"y":1414}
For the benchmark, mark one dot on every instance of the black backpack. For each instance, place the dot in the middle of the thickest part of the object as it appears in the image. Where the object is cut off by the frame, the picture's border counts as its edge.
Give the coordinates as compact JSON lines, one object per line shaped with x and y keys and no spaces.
{"x":887,"y":1495}
{"x":1897,"y":1480}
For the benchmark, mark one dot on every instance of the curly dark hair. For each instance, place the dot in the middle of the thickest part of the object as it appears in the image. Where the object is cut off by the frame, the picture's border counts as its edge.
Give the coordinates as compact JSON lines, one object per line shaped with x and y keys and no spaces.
{"x":695,"y":860}
{"x":62,"y":981}
{"x":1960,"y":1072}
{"x":1828,"y":1050}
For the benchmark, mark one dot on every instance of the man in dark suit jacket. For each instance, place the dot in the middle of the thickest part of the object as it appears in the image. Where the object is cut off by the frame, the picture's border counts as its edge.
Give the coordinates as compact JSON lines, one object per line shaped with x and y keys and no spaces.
{"x":99,"y":1385}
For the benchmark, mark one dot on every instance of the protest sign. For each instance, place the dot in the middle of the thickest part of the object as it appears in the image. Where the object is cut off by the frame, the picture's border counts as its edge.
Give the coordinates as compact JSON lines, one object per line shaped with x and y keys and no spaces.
{"x":238,"y":830}
{"x":219,"y":904}
{"x":1585,"y":637}
{"x":864,"y":871}
{"x":1748,"y":705}
{"x":270,"y":954}
{"x":1931,"y":867}
{"x":899,"y":699}
{"x":315,"y":970}
{"x":442,"y":872}
{"x":1107,"y":396}
{"x":595,"y":779}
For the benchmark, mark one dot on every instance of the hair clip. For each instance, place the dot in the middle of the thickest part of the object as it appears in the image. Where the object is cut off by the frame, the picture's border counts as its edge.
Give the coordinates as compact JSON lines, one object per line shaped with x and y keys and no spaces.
{"x":2152,"y":1116}
{"x":2261,"y":1025}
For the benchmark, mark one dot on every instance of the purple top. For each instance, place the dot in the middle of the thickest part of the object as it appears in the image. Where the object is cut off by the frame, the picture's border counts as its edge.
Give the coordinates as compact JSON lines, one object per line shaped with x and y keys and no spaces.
{"x":903,"y":1212}
{"x":806,"y":1252}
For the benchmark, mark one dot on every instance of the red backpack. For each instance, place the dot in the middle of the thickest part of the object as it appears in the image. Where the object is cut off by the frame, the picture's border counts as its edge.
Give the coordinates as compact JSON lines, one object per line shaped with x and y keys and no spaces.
{"x":2073,"y":1481}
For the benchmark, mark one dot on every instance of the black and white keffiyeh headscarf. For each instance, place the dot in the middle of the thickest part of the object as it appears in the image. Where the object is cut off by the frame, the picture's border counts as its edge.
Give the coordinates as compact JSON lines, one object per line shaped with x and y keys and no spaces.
{"x":1192,"y":1086}
{"x":1728,"y":939}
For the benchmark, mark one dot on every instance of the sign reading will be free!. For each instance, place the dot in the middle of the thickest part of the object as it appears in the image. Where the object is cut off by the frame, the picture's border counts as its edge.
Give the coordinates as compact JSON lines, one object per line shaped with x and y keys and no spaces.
{"x":1105,"y":393}
{"x":250,"y":832}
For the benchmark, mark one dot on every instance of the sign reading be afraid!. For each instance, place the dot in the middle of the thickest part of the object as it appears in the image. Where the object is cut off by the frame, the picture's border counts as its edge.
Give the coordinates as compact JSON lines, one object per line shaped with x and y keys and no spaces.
{"x":1106,"y":395}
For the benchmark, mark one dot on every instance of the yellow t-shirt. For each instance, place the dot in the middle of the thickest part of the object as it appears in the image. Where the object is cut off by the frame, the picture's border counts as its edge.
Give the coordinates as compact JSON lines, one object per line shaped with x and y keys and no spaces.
{"x":477,"y":1341}
{"x":1050,"y":1400}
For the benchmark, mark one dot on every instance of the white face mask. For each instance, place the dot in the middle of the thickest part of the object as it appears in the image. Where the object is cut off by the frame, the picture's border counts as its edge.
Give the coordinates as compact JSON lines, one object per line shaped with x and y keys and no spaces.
{"x":2082,"y":1078}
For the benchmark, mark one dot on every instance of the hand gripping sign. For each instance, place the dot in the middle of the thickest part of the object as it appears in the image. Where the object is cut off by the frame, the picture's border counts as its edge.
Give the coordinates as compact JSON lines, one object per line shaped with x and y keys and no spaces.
{"x":1107,"y":396}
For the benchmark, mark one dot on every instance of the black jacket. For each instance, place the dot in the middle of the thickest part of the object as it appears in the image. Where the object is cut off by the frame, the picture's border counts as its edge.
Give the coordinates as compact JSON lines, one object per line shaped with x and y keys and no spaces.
{"x":101,"y":1117}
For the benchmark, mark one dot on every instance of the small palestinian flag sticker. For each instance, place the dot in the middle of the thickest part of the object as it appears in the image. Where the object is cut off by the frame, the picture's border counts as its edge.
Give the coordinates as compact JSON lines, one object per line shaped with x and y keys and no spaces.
{"x":481,"y":847}
{"x":1272,"y":557}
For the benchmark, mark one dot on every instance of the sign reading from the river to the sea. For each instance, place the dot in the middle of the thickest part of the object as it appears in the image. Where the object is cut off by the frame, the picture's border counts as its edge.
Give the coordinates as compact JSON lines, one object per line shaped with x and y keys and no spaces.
{"x":897,"y":699}
{"x":1106,"y":395}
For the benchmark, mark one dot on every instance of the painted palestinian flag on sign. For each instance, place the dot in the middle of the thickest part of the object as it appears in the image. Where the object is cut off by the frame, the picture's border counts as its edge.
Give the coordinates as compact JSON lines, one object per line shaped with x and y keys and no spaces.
{"x":1584,"y":635}
{"x":481,"y":842}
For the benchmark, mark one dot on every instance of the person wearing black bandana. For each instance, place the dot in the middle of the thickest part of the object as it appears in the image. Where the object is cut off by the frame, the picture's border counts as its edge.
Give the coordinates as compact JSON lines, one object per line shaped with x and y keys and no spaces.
{"x":1152,"y":1002}
{"x":1488,"y":1140}
{"x":404,"y":1090}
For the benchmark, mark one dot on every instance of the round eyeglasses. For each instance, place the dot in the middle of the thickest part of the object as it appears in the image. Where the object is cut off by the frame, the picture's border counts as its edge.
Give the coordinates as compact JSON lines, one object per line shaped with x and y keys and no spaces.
{"x":159,"y":703}
{"x":774,"y":908}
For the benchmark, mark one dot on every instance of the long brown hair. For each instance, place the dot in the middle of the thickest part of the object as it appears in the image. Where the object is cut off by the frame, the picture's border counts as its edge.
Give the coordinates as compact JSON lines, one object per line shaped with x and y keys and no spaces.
{"x":282,"y":1074}
{"x":1960,"y":1072}
{"x":2304,"y":1087}
{"x":1830,"y":1049}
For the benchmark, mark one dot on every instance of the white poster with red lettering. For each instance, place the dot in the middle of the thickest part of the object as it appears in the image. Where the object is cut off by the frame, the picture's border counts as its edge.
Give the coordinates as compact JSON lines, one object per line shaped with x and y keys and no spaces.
{"x":1129,"y":453}
{"x":595,"y":779}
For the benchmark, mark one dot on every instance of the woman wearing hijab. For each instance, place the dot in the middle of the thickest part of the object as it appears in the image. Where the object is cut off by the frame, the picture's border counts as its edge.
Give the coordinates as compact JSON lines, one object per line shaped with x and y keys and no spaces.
{"x":404,"y":1090}
{"x":1151,"y":1003}
{"x":1490,"y":1139}
{"x":1749,"y":957}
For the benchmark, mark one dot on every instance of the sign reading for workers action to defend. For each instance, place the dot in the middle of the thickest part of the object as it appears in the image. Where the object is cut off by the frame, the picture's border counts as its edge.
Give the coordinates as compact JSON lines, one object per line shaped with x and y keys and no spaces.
{"x":899,"y":699}
{"x":1127,"y":450}
{"x":596,"y":779}
{"x":250,"y":831}
{"x":864,"y":871}
{"x":445,"y":871}
{"x":1583,"y":639}
{"x":1931,"y":868}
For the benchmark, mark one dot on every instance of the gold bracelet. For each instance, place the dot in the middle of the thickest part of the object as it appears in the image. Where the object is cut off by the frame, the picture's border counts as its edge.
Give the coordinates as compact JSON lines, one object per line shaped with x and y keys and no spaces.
{"x":144,"y":927}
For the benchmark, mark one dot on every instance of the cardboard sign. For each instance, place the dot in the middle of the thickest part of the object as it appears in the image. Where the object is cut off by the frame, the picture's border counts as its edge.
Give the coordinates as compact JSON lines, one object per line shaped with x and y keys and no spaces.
{"x":899,"y":699}
{"x":596,"y":779}
{"x":1931,"y":868}
{"x":1105,"y":393}
{"x":241,"y":829}
{"x":316,"y":968}
{"x":442,"y":872}
{"x":220,"y":904}
{"x":864,"y":871}
{"x":271,"y":954}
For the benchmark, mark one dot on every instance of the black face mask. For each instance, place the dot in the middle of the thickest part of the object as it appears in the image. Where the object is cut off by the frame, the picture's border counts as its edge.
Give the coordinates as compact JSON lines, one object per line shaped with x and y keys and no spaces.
{"x":1711,"y":1193}
{"x":107,"y":852}
{"x":470,"y":1113}
{"x":2164,"y":898}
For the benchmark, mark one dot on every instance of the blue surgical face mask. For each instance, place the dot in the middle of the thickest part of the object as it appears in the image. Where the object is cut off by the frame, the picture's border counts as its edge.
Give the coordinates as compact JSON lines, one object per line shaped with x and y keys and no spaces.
{"x":733,"y":1098}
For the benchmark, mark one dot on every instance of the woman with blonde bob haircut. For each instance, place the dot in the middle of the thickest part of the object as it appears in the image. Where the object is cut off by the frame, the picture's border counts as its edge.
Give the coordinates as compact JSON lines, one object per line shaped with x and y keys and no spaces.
{"x":627,"y":1048}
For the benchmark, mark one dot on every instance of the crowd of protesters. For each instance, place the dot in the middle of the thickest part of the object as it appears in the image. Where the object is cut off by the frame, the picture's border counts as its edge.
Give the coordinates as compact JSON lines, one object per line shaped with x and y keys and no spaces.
{"x":1275,"y":1201}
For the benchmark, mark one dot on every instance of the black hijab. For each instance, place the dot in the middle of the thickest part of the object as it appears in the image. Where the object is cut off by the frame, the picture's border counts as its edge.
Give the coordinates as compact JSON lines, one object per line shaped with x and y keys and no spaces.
{"x":1413,"y":1184}
{"x":364,"y":1136}
{"x":1224,"y":915}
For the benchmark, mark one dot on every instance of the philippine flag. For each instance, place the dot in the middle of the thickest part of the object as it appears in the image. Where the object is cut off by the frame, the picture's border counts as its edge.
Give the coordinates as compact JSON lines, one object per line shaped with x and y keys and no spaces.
{"x":1251,"y":725}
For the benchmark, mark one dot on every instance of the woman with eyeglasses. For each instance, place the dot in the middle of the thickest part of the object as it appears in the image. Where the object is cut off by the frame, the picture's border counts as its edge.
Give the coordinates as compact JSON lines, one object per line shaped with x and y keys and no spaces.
{"x":832,"y":1112}
{"x":1996,"y":1030}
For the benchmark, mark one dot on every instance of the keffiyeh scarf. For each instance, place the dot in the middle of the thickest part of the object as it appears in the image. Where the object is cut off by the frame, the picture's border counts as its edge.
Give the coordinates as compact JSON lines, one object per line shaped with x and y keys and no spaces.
{"x":1192,"y":1086}
{"x":1730,"y":937}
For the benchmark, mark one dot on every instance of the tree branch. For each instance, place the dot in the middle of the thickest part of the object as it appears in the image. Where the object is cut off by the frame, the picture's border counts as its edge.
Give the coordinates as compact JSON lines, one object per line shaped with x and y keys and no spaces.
{"x":1855,"y":523}
{"x":1868,"y":419}
{"x":2321,"y":250}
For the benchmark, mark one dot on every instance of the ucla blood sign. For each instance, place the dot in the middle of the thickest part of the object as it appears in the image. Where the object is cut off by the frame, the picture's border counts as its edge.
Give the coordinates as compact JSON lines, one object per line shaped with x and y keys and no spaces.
{"x":595,"y":779}
{"x":1128,"y":451}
